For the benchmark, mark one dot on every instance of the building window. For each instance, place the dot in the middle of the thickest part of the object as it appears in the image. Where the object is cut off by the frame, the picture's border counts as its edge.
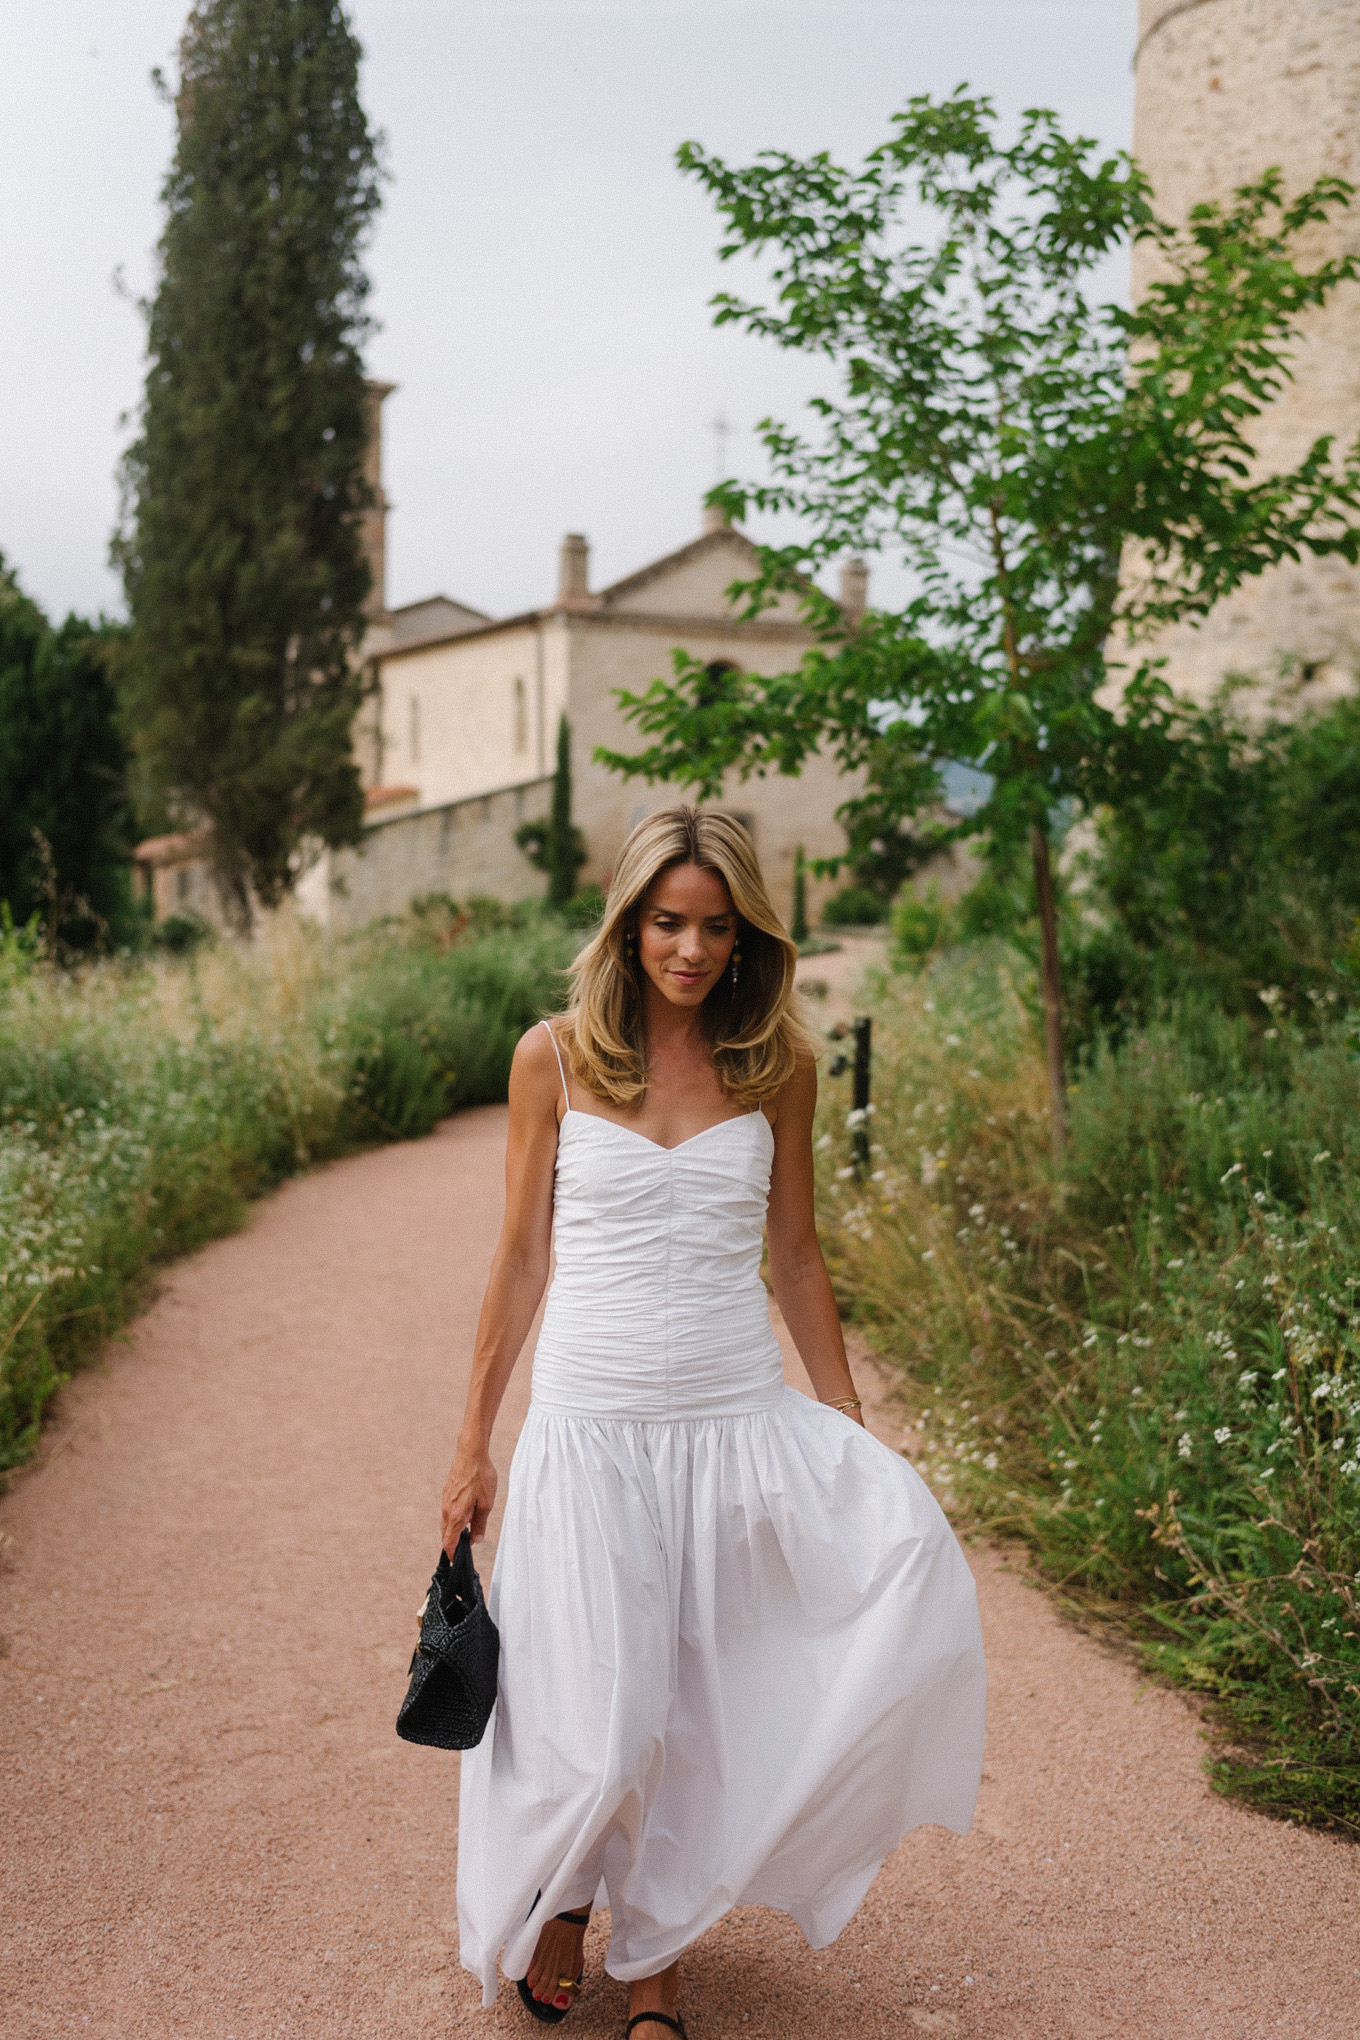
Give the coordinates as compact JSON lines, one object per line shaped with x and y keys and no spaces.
{"x":414,"y":729}
{"x":521,"y":717}
{"x":716,"y":684}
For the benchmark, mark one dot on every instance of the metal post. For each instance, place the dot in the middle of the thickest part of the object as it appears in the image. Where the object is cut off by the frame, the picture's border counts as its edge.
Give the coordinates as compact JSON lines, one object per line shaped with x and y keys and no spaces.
{"x":859,"y":1140}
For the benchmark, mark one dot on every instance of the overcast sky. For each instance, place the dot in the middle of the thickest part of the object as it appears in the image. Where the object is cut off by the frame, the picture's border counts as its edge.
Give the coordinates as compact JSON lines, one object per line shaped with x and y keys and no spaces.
{"x":542,"y":272}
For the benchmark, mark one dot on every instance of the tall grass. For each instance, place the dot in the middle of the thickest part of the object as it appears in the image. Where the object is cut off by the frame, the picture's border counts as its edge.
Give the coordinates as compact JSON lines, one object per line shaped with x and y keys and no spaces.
{"x":142,"y":1106}
{"x":1150,"y":1372}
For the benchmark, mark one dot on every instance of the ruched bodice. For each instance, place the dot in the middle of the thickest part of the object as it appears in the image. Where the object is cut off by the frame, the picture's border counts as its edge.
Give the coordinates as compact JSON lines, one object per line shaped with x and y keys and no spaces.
{"x":657,"y":1310}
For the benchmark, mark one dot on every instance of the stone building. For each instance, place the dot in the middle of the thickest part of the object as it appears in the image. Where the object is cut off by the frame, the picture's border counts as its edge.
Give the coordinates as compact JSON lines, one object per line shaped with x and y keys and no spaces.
{"x":1224,"y":90}
{"x":458,"y":747}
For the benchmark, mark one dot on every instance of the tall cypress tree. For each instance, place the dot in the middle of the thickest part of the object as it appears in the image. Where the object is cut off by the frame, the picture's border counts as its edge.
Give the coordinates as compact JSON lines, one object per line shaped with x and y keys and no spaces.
{"x":243,"y":495}
{"x":556,"y":845}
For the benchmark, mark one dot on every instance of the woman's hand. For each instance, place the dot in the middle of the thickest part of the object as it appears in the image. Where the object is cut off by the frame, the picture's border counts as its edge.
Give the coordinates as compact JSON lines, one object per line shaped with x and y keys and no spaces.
{"x":469,"y":1496}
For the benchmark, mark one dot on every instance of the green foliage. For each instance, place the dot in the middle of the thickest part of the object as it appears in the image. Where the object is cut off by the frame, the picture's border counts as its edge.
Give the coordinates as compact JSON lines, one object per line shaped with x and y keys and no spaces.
{"x":145,"y":1103}
{"x":1152,"y":1374}
{"x":1231,"y":863}
{"x":556,"y":845}
{"x":1015,"y":444}
{"x":64,"y":822}
{"x":854,"y":906}
{"x":240,"y":545}
{"x":920,"y":924}
{"x":798,"y":925}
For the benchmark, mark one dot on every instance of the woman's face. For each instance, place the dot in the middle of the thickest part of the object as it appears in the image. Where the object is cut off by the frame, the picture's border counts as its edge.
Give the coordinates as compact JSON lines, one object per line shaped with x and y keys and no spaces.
{"x":686,"y":931}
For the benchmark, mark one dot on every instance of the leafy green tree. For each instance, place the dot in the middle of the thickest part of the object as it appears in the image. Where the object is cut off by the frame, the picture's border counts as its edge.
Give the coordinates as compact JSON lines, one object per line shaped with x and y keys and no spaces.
{"x":1055,"y":472}
{"x":240,"y":542}
{"x":556,"y":845}
{"x":64,"y":822}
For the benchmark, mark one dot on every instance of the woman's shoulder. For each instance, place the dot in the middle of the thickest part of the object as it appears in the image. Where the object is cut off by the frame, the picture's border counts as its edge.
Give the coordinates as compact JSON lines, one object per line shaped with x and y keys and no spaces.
{"x":796,"y":1098}
{"x":540,"y":1059}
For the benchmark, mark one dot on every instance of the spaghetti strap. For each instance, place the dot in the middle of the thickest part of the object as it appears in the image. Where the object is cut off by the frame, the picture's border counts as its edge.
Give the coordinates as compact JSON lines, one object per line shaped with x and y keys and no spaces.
{"x":566,"y":1095}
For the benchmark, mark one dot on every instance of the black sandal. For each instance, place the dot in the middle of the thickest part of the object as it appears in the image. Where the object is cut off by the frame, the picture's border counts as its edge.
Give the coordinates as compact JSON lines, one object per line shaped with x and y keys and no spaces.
{"x":657,"y":2019}
{"x":552,"y":2015}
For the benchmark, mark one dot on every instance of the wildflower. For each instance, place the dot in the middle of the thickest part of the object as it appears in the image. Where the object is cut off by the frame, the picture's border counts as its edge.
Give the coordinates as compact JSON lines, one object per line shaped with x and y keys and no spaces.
{"x":1185,"y":1445}
{"x":1222,"y":1434}
{"x":953,"y":1041}
{"x":991,"y":1462}
{"x":1235,"y":1170}
{"x":1325,"y":1156}
{"x":824,"y":1142}
{"x":1177,"y":1263}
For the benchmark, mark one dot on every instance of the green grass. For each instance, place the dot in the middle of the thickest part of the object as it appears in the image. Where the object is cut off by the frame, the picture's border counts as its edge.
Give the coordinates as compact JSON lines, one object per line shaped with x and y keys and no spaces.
{"x":143,"y":1105}
{"x":1151,"y":1371}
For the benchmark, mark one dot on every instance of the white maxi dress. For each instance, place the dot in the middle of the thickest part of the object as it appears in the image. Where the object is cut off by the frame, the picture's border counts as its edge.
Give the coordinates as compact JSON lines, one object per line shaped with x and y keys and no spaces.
{"x":740,"y":1649}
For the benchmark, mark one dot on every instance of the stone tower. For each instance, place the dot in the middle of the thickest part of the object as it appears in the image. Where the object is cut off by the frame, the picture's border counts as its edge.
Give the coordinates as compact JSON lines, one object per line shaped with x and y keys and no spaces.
{"x":1224,"y":90}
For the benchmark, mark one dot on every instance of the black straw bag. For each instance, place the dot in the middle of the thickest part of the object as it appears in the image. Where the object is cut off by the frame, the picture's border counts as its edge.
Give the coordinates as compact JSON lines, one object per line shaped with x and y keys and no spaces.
{"x":453,"y":1673}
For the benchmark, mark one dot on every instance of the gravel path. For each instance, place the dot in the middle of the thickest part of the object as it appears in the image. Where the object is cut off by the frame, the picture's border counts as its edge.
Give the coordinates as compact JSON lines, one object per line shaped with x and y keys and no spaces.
{"x":210,"y":1829}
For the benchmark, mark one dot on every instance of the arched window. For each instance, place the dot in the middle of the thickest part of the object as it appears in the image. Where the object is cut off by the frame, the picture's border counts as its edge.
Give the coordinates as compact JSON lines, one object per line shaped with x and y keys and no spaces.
{"x":716,"y":682}
{"x":521,"y":717}
{"x":414,"y":729}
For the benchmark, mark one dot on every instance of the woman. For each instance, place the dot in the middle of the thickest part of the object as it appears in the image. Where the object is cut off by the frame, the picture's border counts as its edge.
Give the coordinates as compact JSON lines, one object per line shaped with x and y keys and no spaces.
{"x":740,"y":1653}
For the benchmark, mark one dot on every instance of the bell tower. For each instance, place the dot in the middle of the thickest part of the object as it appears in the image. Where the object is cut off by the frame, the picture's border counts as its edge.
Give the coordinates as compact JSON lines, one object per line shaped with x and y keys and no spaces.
{"x":1225,"y":89}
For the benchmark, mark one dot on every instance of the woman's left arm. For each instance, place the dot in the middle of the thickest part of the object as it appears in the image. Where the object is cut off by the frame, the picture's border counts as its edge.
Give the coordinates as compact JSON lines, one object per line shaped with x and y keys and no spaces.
{"x":802,"y":1287}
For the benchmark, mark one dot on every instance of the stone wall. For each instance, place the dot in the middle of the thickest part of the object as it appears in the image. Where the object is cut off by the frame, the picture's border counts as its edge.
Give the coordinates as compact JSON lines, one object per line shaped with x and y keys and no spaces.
{"x":462,"y":848}
{"x":1226,"y":89}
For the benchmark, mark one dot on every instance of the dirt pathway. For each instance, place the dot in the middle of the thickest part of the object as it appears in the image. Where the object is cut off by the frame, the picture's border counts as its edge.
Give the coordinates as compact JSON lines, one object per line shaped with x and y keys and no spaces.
{"x":210,"y":1829}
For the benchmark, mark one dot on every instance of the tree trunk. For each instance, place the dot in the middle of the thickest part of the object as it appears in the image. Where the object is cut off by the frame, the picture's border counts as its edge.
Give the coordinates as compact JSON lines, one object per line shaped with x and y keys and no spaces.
{"x":1052,"y":982}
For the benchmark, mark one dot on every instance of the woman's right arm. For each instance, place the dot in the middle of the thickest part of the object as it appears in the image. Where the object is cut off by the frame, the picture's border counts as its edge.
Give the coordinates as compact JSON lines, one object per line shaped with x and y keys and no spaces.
{"x":519,"y":1272}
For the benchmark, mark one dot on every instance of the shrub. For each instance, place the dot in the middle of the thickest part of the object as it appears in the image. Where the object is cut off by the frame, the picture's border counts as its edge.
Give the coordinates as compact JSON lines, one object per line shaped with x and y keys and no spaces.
{"x":854,"y":906}
{"x":1152,"y":1374}
{"x":142,"y":1104}
{"x":919,"y":922}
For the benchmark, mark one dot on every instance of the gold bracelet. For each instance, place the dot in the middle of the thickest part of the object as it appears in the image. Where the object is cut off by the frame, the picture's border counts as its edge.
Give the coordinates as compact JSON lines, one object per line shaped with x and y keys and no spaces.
{"x":845,"y":1402}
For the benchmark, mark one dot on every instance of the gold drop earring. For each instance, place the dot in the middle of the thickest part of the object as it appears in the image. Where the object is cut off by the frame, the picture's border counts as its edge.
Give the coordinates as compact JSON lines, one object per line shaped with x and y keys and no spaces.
{"x":736,"y":962}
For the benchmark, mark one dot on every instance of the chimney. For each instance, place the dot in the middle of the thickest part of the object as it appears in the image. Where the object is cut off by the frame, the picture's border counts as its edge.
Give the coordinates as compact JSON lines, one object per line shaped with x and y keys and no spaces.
{"x":573,"y":580}
{"x":854,"y":592}
{"x":715,"y":518}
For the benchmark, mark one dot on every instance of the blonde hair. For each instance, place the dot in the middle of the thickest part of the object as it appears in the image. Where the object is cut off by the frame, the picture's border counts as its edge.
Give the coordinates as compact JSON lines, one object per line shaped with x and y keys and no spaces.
{"x":755,"y":1030}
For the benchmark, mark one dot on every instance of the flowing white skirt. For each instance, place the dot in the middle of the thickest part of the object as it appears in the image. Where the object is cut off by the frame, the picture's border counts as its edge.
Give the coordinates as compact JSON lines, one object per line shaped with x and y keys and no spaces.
{"x":740,"y":1658}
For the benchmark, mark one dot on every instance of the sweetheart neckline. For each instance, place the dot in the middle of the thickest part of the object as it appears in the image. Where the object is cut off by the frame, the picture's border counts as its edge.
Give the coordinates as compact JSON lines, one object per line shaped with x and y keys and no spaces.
{"x":737,"y":1119}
